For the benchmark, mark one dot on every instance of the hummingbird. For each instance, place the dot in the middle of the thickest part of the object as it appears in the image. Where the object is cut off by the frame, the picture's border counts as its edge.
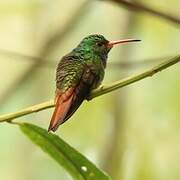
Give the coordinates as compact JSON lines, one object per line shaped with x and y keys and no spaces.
{"x":78,"y":73}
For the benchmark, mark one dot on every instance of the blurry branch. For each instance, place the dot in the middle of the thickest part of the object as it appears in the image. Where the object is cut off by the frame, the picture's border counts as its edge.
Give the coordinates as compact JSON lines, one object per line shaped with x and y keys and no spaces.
{"x":20,"y":56}
{"x":52,"y":64}
{"x":49,"y":45}
{"x":139,"y":7}
{"x":98,"y":92}
{"x":75,"y":18}
{"x":136,"y":63}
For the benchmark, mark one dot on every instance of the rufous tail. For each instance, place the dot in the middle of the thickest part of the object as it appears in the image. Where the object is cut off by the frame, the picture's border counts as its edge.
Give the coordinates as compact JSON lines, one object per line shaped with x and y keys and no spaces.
{"x":62,"y":106}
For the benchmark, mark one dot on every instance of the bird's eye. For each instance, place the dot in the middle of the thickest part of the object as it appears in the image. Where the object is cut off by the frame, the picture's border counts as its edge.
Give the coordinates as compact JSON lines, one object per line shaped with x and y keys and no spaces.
{"x":99,"y":44}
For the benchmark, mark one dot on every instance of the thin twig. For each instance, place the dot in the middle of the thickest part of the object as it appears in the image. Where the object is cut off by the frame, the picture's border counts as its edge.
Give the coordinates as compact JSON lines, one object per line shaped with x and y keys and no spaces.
{"x":98,"y":92}
{"x":29,"y":110}
{"x":51,"y":64}
{"x":139,"y":7}
{"x":124,"y":82}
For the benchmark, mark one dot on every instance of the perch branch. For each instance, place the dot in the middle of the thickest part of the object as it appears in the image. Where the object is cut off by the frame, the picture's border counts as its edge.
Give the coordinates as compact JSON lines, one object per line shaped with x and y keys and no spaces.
{"x":95,"y":93}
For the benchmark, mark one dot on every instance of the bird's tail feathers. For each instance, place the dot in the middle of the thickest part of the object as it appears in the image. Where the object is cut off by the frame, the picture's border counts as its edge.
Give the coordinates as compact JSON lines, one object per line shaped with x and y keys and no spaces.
{"x":62,"y":106}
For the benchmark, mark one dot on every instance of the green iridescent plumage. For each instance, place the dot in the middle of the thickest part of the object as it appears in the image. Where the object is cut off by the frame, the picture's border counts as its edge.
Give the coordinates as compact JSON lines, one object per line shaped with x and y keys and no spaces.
{"x":81,"y":70}
{"x":91,"y":54}
{"x":77,"y":74}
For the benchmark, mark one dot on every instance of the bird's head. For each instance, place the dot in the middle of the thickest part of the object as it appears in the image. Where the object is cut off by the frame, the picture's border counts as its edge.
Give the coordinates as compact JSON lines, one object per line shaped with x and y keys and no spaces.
{"x":98,"y":44}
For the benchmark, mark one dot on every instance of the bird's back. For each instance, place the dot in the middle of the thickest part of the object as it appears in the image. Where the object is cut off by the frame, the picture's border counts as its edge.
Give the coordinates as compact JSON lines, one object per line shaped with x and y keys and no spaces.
{"x":75,"y":78}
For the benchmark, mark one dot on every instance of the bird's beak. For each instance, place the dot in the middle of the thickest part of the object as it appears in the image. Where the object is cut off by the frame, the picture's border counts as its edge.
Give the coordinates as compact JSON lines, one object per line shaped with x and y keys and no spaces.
{"x":112,"y":43}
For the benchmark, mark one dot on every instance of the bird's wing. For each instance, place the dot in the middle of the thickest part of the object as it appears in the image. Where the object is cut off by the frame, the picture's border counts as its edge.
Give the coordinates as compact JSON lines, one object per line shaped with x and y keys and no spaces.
{"x":74,"y":82}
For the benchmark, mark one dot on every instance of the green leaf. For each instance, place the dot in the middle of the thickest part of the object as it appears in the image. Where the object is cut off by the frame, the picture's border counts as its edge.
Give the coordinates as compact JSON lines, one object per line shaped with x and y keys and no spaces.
{"x":78,"y":166}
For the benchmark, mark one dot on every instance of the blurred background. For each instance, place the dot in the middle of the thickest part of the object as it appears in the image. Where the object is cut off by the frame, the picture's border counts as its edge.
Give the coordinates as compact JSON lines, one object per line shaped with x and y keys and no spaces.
{"x":132,"y":133}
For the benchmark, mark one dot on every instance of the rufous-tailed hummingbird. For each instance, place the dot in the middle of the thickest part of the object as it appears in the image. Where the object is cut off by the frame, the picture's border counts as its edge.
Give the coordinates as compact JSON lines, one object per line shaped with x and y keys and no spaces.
{"x":78,"y":73}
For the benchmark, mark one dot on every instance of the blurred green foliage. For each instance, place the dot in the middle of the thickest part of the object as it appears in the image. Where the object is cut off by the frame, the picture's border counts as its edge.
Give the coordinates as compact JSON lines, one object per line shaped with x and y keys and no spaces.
{"x":145,"y":115}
